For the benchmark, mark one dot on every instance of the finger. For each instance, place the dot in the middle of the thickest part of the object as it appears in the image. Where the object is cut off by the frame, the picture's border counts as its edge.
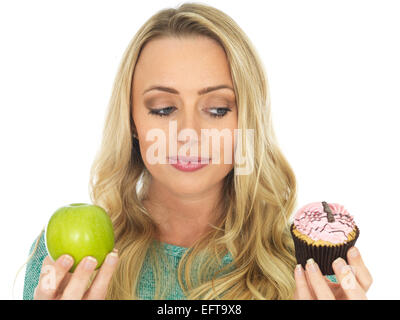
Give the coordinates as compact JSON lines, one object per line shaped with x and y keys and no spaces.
{"x":64,"y":283}
{"x":302,"y":288}
{"x":336,"y":290}
{"x":360,"y":270}
{"x":51,"y":275}
{"x":314,"y":297}
{"x":348,"y":280}
{"x":318,"y":282}
{"x":98,"y":289}
{"x":79,"y":280}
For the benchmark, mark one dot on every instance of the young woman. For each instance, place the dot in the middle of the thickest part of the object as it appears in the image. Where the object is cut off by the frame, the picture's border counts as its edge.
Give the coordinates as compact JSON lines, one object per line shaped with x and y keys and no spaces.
{"x":189,"y":230}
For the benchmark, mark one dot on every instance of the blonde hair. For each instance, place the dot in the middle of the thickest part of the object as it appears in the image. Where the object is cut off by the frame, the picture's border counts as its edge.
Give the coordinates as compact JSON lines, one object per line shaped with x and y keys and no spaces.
{"x":254,"y":226}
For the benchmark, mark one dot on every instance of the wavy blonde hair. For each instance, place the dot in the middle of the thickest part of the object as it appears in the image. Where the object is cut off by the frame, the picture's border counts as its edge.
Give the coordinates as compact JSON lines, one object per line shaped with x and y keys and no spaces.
{"x":254,"y":226}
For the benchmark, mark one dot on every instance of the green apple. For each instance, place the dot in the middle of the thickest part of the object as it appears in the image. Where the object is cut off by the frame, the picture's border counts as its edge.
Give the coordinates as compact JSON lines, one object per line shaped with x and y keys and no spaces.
{"x":80,"y":230}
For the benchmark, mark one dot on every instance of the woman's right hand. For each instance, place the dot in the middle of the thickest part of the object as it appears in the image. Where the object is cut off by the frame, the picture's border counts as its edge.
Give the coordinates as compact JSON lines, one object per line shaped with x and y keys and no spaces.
{"x":57,"y":283}
{"x":354,"y":280}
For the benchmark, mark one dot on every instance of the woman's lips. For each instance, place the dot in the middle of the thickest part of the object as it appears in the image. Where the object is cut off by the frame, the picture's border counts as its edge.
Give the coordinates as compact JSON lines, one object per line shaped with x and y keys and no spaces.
{"x":188,"y":163}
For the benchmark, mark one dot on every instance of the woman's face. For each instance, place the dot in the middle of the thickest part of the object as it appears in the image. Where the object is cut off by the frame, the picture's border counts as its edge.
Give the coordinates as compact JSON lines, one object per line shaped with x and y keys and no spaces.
{"x":186,"y":67}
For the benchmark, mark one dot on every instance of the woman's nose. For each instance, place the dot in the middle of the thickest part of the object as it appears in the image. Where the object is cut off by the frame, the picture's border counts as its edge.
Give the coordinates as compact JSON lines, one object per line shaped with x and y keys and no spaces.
{"x":188,"y":127}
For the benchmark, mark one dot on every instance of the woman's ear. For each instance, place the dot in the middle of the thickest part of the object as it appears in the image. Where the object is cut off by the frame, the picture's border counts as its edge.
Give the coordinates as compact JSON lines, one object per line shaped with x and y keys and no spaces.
{"x":134,"y":131}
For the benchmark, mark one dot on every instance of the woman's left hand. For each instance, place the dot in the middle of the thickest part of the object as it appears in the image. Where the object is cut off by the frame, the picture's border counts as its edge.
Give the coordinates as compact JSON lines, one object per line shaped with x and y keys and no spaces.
{"x":353,"y":279}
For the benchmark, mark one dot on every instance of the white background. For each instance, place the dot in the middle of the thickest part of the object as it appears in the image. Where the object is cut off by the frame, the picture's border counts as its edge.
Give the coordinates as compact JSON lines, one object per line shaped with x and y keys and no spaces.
{"x":333,"y":69}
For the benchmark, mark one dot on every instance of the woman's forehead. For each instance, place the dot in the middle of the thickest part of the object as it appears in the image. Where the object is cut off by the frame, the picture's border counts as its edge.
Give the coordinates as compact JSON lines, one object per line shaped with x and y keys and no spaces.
{"x":171,"y":62}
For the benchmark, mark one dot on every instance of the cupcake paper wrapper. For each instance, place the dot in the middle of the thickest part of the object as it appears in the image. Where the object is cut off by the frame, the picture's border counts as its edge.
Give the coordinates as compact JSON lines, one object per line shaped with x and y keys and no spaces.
{"x":323,"y":255}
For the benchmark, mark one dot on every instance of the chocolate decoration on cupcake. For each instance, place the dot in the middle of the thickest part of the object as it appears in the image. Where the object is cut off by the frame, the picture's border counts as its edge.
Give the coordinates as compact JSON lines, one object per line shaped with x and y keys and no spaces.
{"x":328,"y":210}
{"x":323,"y":232}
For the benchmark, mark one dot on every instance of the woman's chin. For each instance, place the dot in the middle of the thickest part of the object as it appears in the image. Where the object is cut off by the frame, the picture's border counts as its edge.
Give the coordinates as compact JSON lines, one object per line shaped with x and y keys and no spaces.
{"x":188,"y":186}
{"x":189,"y":182}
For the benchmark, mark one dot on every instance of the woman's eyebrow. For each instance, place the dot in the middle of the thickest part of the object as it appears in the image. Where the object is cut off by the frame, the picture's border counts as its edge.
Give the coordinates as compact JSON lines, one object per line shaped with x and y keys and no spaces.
{"x":200,"y":92}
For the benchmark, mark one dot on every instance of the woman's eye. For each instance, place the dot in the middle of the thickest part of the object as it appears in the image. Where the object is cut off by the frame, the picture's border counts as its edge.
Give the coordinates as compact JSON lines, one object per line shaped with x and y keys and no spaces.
{"x":163,"y":112}
{"x":215,"y":112}
{"x":219,"y":112}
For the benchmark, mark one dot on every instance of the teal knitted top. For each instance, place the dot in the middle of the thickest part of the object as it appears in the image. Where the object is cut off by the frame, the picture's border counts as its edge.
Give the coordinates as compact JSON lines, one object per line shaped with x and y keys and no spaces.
{"x":146,"y":288}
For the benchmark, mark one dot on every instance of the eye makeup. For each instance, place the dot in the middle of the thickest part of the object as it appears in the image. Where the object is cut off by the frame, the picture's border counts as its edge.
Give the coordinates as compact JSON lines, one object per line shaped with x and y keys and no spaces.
{"x":218,"y":112}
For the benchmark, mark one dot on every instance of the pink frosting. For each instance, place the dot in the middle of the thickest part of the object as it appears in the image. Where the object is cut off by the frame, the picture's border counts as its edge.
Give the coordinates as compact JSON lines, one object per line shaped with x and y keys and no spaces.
{"x":312,"y":221}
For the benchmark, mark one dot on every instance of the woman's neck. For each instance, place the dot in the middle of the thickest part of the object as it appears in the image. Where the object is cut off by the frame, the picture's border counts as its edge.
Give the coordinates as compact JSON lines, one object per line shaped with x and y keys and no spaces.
{"x":182,"y":218}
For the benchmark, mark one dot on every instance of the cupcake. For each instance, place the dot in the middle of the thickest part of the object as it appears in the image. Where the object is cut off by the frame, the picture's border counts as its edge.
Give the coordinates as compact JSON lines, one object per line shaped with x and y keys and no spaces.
{"x":323,"y":232}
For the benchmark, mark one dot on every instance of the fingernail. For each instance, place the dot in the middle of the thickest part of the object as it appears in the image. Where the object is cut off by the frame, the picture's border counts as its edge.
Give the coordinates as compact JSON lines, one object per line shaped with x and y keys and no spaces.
{"x":67,"y":261}
{"x":112,"y":257}
{"x":353,"y":252}
{"x":339,"y":263}
{"x":89,"y":263}
{"x":299,"y":269}
{"x":347,"y":269}
{"x":312,"y":266}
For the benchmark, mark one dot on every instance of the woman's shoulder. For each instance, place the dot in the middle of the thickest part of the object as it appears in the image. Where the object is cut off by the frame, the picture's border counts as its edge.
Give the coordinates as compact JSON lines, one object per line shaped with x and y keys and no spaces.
{"x":39,"y":252}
